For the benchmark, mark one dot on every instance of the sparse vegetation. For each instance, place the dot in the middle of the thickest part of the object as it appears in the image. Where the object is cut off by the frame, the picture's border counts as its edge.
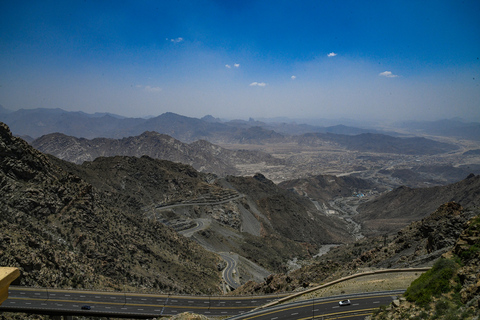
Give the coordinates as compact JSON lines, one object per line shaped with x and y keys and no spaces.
{"x":450,"y":289}
{"x":432,"y":283}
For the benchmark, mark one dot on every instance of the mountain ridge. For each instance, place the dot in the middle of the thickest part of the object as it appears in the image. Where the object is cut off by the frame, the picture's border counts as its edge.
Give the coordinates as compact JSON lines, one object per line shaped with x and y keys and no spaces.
{"x":201,"y":154}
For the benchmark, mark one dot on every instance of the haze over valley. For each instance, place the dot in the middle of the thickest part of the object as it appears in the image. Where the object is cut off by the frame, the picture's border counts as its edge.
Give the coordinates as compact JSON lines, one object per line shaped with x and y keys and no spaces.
{"x":213,"y":156}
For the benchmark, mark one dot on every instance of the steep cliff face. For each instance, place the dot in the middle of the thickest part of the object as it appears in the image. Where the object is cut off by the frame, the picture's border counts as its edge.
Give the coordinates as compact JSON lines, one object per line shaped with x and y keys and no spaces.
{"x":63,"y":232}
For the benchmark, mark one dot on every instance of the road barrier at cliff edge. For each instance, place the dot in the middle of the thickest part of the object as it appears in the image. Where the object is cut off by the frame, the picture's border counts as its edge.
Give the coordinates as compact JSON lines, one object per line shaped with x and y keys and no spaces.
{"x":295,"y":295}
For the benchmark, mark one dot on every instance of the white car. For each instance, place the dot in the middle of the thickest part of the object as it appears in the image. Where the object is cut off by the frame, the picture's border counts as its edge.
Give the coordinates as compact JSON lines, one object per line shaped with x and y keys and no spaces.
{"x":344,"y":303}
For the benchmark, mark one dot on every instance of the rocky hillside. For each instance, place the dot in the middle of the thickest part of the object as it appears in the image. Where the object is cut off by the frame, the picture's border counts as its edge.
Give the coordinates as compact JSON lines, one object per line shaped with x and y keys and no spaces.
{"x":294,"y":216}
{"x":393,"y":210}
{"x":202,"y":155}
{"x":247,"y":215}
{"x":62,"y":231}
{"x":417,"y":245}
{"x":328,"y":187}
{"x":450,"y":290}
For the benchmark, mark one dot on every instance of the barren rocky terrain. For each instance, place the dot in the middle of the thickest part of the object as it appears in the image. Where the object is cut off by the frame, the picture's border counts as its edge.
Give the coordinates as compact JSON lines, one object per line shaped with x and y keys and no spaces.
{"x":62,"y":231}
{"x":417,"y":245}
{"x":270,"y":200}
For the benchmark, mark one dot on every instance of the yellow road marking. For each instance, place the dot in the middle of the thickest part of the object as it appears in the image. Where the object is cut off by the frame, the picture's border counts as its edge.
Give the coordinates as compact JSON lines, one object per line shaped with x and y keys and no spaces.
{"x":129,"y":304}
{"x":150,"y":295}
{"x":303,"y":304}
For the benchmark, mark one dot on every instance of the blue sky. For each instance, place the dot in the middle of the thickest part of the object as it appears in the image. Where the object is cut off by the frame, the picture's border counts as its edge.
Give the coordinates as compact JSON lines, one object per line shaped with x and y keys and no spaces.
{"x":390,"y":60}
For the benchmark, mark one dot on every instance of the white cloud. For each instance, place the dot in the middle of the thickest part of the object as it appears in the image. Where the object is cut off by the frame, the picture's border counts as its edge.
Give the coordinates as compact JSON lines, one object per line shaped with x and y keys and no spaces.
{"x":228,"y":66}
{"x":387,"y":74}
{"x":331,"y":54}
{"x":176,"y":40}
{"x":152,"y":89}
{"x":293,"y":77}
{"x":237,"y":65}
{"x":259,"y":84}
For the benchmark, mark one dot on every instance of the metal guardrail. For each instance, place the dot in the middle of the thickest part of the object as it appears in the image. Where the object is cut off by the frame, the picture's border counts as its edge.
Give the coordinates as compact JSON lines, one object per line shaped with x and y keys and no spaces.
{"x":295,"y":295}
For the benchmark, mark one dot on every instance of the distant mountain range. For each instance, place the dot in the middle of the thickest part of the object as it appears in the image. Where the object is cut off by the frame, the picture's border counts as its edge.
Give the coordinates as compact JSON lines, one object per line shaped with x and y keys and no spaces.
{"x":448,"y":128}
{"x":34,"y":123}
{"x":202,"y":155}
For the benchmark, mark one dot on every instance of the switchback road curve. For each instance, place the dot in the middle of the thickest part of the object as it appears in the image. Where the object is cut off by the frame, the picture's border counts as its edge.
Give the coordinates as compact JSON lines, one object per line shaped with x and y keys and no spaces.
{"x":229,"y":270}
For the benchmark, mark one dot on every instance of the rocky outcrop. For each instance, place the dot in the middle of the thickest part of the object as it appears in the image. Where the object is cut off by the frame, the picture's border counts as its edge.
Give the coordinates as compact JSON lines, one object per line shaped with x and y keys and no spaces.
{"x":417,"y":245}
{"x":461,"y":300}
{"x":468,"y":249}
{"x":62,"y":231}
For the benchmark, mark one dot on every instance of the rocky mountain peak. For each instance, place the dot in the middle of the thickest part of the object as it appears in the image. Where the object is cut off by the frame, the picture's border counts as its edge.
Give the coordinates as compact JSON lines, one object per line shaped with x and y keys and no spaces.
{"x":61,"y":231}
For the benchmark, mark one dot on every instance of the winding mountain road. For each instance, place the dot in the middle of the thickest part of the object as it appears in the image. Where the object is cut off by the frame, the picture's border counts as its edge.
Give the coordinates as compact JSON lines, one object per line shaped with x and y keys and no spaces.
{"x":230,"y":270}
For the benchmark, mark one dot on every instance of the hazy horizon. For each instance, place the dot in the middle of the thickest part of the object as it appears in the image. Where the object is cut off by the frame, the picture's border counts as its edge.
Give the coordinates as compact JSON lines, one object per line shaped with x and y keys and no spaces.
{"x":239,"y":59}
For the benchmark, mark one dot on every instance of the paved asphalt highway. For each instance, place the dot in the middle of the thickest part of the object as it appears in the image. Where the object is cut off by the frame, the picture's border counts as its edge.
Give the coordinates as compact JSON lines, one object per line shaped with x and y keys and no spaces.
{"x":325,"y":308}
{"x":135,"y":305}
{"x":229,"y":270}
{"x":119,"y":304}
